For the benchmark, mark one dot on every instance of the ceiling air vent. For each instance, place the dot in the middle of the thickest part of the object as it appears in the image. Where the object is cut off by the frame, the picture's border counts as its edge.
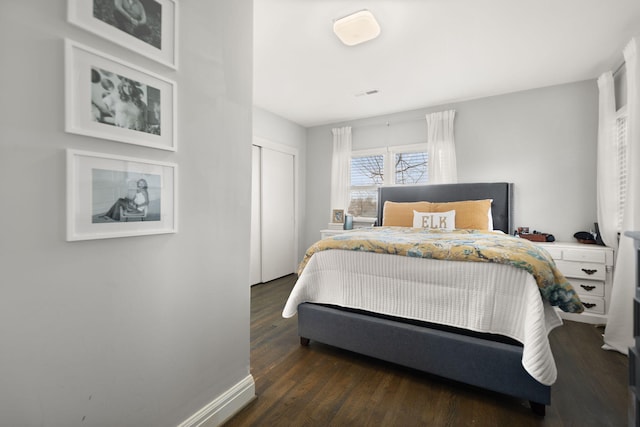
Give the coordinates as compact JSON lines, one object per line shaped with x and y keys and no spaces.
{"x":368,"y":92}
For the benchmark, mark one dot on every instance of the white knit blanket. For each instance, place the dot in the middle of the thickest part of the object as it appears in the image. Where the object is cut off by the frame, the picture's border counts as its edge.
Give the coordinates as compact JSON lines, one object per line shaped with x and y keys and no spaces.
{"x":482,"y":297}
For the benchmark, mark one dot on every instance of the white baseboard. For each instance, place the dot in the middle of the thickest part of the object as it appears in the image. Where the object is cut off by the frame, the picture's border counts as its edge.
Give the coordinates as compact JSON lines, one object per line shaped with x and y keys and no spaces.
{"x":224,"y":406}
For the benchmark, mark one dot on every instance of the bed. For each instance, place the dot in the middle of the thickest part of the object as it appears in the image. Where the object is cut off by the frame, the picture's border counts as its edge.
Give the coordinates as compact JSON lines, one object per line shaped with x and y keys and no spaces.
{"x":357,"y":300}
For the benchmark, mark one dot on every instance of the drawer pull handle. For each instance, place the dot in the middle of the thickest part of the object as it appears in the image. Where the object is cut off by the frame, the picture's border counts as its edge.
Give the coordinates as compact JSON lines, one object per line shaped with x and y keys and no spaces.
{"x":589,"y":304}
{"x":589,"y":272}
{"x":587,"y":287}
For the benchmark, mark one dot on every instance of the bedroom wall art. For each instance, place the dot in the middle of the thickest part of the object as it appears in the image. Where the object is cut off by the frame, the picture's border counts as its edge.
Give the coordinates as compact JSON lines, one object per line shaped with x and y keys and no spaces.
{"x":337,"y":216}
{"x":116,"y":196}
{"x":110,"y":99}
{"x":148,"y":27}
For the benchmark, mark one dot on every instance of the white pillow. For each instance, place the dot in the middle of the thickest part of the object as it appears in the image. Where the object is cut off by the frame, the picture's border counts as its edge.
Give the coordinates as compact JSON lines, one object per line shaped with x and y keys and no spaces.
{"x":490,"y":225}
{"x":434,"y":220}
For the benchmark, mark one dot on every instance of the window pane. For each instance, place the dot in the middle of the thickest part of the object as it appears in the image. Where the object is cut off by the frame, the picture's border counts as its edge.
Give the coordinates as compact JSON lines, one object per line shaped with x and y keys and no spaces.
{"x":411,"y":168}
{"x":367,"y":170}
{"x":364,"y":203}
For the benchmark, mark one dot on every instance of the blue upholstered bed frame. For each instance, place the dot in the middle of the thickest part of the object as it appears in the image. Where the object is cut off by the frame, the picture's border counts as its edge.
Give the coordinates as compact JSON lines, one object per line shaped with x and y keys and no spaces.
{"x":482,"y":360}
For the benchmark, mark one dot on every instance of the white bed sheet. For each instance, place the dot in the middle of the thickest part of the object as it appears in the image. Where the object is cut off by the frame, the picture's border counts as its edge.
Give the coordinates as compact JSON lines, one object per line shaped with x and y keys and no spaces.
{"x":483,"y":297}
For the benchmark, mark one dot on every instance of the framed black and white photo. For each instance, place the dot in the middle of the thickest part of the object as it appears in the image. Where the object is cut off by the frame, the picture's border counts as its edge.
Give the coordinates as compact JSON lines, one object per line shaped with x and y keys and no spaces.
{"x":115,"y":196}
{"x":110,"y":99}
{"x":148,"y":27}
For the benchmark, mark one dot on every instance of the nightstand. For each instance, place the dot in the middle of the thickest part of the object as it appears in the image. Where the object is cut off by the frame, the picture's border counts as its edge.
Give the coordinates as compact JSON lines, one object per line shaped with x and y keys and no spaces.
{"x":589,"y":269}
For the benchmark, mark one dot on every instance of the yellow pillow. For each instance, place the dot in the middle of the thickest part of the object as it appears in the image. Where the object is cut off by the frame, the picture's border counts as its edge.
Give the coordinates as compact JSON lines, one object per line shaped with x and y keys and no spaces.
{"x":401,"y":214}
{"x":470,"y":214}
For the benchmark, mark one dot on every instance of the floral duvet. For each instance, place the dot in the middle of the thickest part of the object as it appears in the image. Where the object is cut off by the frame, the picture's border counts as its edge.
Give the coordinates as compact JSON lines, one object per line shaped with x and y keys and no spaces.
{"x":460,"y":245}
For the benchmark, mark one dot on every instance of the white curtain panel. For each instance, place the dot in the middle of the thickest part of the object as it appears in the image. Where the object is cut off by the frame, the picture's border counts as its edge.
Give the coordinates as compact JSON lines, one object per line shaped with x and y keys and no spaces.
{"x":441,"y":148}
{"x":607,"y":162}
{"x":619,"y":331}
{"x":341,"y":168}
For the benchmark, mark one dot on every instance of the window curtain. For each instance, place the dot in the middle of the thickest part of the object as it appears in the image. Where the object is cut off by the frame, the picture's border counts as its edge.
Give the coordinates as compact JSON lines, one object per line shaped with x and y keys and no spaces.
{"x":619,"y":331}
{"x":341,"y":168}
{"x":441,"y":148}
{"x":607,"y":200}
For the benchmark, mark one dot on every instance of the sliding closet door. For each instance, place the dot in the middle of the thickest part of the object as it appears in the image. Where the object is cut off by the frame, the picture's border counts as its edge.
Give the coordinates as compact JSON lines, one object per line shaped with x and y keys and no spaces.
{"x":277,"y":225}
{"x":273,"y":232}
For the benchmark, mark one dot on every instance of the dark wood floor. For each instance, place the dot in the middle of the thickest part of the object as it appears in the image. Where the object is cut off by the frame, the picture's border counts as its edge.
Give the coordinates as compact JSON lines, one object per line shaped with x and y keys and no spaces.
{"x":324,"y":386}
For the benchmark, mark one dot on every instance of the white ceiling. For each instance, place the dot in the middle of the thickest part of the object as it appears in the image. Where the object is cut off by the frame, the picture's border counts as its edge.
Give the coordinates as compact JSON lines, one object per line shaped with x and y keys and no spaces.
{"x":429,"y":52}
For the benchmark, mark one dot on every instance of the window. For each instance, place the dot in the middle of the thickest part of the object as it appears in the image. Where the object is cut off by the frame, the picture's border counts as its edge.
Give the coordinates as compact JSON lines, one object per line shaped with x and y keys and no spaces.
{"x":621,"y":148}
{"x":411,"y":168}
{"x":370,"y":169}
{"x":367,"y":173}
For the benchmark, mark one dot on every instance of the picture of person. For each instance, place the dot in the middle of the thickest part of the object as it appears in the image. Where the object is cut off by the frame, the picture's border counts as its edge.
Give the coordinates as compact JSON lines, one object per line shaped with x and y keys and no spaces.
{"x":123,"y":102}
{"x":132,"y":203}
{"x":338,"y":215}
{"x":101,"y":88}
{"x":140,"y":18}
{"x":131,"y":17}
{"x":129,"y":109}
{"x":118,"y":196}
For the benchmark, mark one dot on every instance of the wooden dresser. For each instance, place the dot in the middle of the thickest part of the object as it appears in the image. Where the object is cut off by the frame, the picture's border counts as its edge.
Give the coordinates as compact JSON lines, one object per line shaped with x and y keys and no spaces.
{"x":589,"y":268}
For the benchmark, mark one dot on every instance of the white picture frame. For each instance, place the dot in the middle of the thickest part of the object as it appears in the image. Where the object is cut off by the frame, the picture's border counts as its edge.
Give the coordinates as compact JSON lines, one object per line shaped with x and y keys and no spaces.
{"x":156,"y":37}
{"x":96,"y":104}
{"x":103,"y":199}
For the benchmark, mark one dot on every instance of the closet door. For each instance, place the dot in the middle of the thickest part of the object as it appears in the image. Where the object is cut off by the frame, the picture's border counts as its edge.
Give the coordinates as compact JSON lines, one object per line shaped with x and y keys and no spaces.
{"x":277,"y":213}
{"x":273,"y":218}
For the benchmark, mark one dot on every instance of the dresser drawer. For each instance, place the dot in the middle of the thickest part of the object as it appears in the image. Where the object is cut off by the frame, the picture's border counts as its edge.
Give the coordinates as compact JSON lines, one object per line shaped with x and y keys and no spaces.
{"x":592,"y":288}
{"x":584,"y":255}
{"x":556,"y":253}
{"x":582,"y":270}
{"x":593,"y":305}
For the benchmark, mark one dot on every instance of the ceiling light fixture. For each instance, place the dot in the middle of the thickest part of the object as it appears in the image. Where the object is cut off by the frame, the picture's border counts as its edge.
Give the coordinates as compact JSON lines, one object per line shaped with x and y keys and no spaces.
{"x":356,"y":28}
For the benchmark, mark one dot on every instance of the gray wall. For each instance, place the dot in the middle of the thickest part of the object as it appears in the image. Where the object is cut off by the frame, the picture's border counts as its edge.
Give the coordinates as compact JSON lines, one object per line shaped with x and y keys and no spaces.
{"x":136,"y":331}
{"x":279,"y":130}
{"x":542,"y":140}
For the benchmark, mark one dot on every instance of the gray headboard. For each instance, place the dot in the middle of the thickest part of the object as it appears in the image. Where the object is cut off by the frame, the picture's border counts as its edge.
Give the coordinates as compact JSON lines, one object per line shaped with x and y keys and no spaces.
{"x":500,"y":192}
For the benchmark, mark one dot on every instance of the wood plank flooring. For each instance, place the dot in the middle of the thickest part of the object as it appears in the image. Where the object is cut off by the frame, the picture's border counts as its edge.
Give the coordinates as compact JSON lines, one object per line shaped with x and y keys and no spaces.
{"x":324,"y":386}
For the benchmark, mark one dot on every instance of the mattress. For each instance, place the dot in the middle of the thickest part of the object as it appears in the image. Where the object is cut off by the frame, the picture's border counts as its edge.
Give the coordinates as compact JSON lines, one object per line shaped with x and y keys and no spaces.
{"x":482,"y":297}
